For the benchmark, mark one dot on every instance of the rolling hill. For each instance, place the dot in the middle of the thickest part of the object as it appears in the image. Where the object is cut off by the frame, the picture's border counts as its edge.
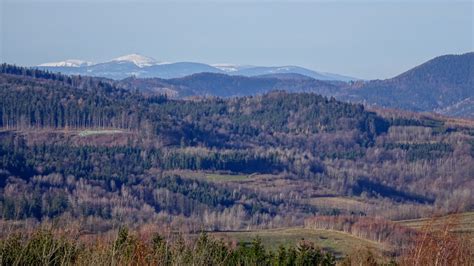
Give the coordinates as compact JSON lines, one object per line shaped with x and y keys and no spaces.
{"x":444,"y":84}
{"x":222,"y":85}
{"x":82,"y":152}
{"x":263,"y":159}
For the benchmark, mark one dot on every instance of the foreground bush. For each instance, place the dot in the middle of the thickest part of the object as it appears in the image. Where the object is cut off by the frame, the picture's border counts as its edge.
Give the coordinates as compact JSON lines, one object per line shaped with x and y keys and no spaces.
{"x":438,"y":244}
{"x":46,"y":248}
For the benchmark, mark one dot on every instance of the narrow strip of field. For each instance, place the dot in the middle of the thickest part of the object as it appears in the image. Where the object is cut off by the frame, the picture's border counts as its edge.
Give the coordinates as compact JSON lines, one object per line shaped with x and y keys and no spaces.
{"x":337,"y":242}
{"x":343,"y":203}
{"x":463,"y":222}
{"x":90,"y":132}
{"x":225,"y":177}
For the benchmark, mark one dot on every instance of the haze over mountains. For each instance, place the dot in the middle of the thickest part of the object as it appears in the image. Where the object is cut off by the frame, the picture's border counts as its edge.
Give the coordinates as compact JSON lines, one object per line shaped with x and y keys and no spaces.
{"x":443,"y":85}
{"x":147,"y":67}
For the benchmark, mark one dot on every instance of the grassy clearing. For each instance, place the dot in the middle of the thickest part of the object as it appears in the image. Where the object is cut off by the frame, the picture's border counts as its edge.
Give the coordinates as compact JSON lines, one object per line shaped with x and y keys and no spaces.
{"x":339,"y":203}
{"x":212,"y":176}
{"x":337,"y":242}
{"x":226,"y":177}
{"x":86,"y":133}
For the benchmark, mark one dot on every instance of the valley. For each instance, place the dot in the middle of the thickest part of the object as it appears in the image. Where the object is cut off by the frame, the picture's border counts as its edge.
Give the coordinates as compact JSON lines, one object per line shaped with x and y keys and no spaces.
{"x":86,"y":153}
{"x":236,"y":133}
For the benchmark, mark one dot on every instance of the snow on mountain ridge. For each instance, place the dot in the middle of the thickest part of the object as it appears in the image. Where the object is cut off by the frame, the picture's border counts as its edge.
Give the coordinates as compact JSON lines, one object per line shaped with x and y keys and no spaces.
{"x":139,"y":60}
{"x":228,"y":67}
{"x":68,"y":63}
{"x":143,"y":66}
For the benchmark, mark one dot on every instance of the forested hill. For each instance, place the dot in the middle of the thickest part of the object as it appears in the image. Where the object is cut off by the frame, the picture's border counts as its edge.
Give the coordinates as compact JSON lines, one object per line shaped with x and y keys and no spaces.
{"x":443,"y":85}
{"x":222,"y":85}
{"x":440,"y":85}
{"x":82,"y":149}
{"x":33,"y":98}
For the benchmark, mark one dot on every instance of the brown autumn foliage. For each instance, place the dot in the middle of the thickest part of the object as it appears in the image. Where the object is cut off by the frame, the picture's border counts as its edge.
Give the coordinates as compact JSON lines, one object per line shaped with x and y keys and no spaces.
{"x":373,"y":228}
{"x":439,"y":245}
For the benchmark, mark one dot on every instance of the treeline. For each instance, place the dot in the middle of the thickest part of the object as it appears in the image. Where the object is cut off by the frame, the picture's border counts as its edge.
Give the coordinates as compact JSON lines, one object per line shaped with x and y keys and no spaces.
{"x":164,"y":200}
{"x":31,"y":72}
{"x":28,"y":101}
{"x":376,"y":229}
{"x":46,"y":248}
{"x":233,"y":161}
{"x":48,"y":181}
{"x":37,"y":103}
{"x":423,"y":88}
{"x":422,"y":151}
{"x":121,"y":164}
{"x":433,"y":245}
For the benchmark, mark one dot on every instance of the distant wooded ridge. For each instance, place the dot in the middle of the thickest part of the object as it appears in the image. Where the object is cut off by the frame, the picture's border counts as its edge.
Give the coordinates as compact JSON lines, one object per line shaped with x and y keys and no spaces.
{"x":443,"y":85}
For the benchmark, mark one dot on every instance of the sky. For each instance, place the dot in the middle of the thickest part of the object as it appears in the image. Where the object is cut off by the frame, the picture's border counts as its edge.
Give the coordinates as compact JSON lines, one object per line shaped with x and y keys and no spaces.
{"x":364,"y":39}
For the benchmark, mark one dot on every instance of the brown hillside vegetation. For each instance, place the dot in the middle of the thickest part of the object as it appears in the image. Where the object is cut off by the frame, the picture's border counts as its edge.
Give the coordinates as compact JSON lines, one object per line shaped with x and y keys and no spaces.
{"x":434,"y":244}
{"x":375,"y":229}
{"x":439,"y":244}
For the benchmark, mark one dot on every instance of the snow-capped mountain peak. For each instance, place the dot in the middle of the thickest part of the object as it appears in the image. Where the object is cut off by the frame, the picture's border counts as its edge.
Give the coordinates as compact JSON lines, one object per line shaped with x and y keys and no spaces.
{"x":139,"y":60}
{"x":68,"y":63}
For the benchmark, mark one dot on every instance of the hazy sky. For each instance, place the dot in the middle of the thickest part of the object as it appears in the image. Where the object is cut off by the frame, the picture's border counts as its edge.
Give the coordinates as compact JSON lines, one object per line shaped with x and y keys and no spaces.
{"x":369,"y":39}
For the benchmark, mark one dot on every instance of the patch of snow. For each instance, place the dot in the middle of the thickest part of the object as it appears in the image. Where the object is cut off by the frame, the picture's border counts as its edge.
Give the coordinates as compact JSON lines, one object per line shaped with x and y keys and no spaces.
{"x":226,"y":67}
{"x":283,"y":69}
{"x":68,"y":63}
{"x":164,"y":63}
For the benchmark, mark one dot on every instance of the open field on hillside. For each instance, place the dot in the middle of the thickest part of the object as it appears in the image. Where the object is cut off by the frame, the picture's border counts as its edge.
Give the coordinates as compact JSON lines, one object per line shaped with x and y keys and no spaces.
{"x":338,"y":242}
{"x":343,"y":203}
{"x":463,"y":222}
{"x":226,"y":177}
{"x":218,"y":177}
{"x":74,"y":136}
{"x":85,"y":133}
{"x":254,"y":180}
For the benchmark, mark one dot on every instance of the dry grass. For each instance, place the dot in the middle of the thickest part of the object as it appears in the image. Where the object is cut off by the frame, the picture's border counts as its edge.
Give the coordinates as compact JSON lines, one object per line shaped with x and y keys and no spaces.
{"x":80,"y":137}
{"x":440,"y":244}
{"x":337,"y":242}
{"x":464,"y":223}
{"x":342,"y":203}
{"x":226,"y":177}
{"x":85,"y":133}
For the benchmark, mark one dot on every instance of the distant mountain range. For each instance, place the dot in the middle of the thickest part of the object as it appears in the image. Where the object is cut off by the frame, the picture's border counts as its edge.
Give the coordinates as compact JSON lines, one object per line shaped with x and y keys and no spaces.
{"x":222,"y":85}
{"x":147,"y":67}
{"x":444,"y":85}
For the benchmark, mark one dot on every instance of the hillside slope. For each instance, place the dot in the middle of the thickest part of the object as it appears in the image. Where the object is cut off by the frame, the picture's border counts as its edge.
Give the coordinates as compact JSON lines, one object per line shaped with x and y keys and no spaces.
{"x":81,"y":149}
{"x":444,"y":84}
